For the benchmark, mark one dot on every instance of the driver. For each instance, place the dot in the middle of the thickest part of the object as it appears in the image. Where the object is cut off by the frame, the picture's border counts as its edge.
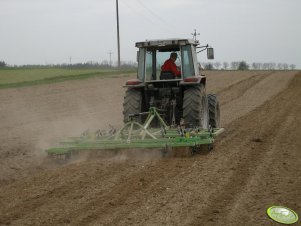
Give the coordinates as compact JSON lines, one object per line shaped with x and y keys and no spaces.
{"x":170,"y":66}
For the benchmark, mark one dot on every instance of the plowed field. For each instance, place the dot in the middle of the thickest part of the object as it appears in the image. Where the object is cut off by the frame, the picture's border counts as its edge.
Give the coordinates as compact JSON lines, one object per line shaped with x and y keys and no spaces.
{"x":255,"y":164}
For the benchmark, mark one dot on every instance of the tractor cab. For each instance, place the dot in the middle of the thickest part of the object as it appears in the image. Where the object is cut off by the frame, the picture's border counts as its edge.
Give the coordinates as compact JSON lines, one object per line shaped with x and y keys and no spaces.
{"x":152,"y":55}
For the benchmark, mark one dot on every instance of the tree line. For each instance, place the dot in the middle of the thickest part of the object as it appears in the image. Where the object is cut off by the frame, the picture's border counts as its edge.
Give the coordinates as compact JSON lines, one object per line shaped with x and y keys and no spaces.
{"x":234,"y":65}
{"x":90,"y":64}
{"x":2,"y":64}
{"x":243,"y":65}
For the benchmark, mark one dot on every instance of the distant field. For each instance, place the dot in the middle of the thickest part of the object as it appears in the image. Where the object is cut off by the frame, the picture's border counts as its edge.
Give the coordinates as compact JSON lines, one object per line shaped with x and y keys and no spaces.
{"x":18,"y":77}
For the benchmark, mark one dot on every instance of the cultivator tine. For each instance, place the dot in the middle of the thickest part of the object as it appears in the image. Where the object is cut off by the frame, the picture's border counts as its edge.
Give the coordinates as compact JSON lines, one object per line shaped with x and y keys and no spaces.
{"x":60,"y":157}
{"x":85,"y":133}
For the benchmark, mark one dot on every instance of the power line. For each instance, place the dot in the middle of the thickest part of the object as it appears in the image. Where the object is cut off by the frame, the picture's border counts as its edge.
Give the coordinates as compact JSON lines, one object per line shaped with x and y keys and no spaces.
{"x":145,"y":16}
{"x":161,"y":19}
{"x":137,"y":11}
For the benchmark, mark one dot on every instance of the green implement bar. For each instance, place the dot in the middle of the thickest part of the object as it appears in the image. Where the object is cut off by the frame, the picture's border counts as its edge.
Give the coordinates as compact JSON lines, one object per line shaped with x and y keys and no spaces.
{"x":135,"y":135}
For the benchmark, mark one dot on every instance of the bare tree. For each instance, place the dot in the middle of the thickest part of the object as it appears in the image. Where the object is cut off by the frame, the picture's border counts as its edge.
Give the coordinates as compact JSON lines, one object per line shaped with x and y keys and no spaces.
{"x":280,"y":66}
{"x":105,"y":63}
{"x":272,"y":66}
{"x":217,"y":65}
{"x":265,"y":66}
{"x":225,"y":65}
{"x":256,"y":66}
{"x":243,"y":66}
{"x":2,"y":64}
{"x":260,"y":66}
{"x":234,"y":65}
{"x":292,"y":66}
{"x":285,"y":66}
{"x":208,"y":66}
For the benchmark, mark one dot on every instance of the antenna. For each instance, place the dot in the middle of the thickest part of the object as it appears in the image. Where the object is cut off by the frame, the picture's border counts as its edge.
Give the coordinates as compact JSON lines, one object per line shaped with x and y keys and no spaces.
{"x":194,"y":34}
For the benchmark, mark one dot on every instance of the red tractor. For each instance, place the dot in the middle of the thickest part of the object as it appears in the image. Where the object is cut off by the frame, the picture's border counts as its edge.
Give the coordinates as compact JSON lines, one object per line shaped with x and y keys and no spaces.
{"x":180,"y":99}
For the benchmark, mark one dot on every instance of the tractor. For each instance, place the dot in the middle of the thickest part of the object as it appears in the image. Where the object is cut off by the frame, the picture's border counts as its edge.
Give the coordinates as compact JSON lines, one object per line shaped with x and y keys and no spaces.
{"x":160,"y":110}
{"x":180,"y":99}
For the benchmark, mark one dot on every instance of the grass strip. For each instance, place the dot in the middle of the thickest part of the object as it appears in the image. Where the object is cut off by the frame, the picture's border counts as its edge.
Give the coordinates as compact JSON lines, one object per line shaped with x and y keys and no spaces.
{"x":62,"y":78}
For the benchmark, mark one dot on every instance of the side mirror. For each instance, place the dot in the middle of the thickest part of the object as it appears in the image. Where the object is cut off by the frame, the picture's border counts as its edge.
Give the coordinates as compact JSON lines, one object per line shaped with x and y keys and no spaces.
{"x":210,"y":53}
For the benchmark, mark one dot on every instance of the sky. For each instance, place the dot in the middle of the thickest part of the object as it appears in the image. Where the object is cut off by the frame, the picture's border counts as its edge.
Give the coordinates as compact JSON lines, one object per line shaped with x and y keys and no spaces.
{"x":50,"y":32}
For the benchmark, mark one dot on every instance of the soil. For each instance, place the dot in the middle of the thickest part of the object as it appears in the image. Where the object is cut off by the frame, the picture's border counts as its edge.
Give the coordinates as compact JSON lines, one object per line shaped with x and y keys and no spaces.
{"x":255,"y":164}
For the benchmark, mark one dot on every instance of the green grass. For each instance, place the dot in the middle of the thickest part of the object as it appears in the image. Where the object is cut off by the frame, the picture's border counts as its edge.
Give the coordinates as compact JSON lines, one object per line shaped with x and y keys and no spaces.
{"x":19,"y":77}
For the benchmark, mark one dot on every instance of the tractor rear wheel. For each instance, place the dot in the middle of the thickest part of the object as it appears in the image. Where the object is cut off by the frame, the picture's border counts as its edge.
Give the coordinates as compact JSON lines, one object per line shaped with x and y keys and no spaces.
{"x":195,"y":107}
{"x":132,"y":104}
{"x":214,"y":112}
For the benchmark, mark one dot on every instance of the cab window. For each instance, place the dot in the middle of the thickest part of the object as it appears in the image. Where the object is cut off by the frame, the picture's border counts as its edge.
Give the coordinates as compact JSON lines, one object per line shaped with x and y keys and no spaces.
{"x":141,"y":64}
{"x":149,"y":66}
{"x":187,"y":62}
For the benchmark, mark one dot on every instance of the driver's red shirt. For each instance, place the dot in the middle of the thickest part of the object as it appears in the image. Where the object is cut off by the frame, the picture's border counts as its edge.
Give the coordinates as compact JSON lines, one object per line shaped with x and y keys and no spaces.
{"x":169,"y":65}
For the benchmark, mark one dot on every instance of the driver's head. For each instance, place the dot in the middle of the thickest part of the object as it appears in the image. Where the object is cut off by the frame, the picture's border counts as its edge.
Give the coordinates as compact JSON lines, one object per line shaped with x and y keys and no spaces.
{"x":174,"y":56}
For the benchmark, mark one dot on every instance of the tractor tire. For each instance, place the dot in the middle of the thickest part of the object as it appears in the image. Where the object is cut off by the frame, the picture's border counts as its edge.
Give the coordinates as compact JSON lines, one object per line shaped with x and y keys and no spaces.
{"x":214,"y":112}
{"x":195,"y":107}
{"x":132,"y":104}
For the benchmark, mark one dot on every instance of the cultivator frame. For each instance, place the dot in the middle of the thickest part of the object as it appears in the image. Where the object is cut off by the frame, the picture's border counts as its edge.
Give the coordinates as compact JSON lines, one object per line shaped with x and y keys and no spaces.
{"x":134,"y":135}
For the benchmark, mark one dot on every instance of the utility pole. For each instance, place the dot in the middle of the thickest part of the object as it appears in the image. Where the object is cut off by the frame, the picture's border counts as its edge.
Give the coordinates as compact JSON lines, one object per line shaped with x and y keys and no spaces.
{"x":70,"y":59}
{"x":118,"y":39}
{"x":194,"y":34}
{"x":110,"y":53}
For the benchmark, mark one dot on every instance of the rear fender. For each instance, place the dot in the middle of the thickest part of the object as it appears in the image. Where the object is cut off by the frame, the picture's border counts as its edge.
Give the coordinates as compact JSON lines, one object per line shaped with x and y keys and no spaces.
{"x":134,"y":83}
{"x":194,"y":80}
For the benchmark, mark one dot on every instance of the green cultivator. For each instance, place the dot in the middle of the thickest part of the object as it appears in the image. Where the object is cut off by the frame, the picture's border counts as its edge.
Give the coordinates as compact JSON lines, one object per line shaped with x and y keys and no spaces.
{"x":134,"y":135}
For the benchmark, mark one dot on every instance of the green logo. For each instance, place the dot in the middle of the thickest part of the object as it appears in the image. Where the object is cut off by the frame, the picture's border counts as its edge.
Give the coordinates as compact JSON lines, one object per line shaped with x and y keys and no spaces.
{"x":282,"y":214}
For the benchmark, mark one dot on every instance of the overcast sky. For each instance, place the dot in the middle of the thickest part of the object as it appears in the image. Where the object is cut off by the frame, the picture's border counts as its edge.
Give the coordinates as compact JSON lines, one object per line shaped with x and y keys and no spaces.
{"x":50,"y":31}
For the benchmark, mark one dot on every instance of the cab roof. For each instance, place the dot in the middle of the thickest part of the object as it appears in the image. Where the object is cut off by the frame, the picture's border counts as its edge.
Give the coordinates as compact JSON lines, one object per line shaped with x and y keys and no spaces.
{"x":166,"y":42}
